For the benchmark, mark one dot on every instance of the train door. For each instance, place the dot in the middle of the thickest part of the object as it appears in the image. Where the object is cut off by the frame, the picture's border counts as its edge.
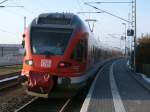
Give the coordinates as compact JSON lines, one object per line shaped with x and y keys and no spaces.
{"x":80,"y":53}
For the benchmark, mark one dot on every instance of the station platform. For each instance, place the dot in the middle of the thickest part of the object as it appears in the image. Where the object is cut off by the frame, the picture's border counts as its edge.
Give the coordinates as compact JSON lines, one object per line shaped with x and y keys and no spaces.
{"x":115,"y":90}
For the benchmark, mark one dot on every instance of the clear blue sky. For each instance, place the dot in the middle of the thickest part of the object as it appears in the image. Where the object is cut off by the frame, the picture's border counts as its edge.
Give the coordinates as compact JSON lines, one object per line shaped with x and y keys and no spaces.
{"x":11,"y":19}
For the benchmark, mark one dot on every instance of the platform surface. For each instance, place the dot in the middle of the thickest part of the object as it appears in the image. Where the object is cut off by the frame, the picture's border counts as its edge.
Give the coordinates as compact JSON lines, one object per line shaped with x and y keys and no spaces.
{"x":115,"y":90}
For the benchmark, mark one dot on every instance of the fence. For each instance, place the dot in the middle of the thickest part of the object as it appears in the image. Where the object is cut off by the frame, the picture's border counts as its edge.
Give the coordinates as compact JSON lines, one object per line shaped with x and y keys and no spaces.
{"x":10,"y":55}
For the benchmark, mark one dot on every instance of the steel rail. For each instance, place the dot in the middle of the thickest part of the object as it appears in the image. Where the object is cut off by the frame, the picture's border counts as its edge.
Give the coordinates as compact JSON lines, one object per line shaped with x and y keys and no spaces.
{"x":65,"y":105}
{"x":25,"y":105}
{"x":9,"y":82}
{"x":9,"y":79}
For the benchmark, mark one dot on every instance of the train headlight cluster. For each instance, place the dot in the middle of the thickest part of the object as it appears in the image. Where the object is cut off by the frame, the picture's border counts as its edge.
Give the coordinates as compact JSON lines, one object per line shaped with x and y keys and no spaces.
{"x":29,"y":62}
{"x":64,"y":64}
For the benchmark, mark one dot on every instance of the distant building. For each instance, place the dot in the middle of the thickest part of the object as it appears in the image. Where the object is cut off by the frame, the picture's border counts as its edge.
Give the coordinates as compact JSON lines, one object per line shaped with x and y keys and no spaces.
{"x":10,"y":49}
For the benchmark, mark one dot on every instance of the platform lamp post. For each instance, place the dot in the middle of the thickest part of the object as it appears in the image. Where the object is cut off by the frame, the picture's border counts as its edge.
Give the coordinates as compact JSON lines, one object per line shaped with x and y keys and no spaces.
{"x":135,"y":34}
{"x":125,"y":37}
{"x":25,"y":19}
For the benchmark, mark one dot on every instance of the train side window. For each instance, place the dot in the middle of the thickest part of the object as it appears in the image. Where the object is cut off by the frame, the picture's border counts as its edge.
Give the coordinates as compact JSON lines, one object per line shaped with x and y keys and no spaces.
{"x":79,"y":53}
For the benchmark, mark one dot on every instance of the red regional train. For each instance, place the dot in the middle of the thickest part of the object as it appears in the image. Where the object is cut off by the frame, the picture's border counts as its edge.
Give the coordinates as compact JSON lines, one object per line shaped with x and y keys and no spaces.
{"x":59,"y":51}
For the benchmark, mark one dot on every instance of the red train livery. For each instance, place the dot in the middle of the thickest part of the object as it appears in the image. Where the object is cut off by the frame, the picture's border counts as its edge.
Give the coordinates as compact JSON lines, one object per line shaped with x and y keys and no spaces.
{"x":59,"y":51}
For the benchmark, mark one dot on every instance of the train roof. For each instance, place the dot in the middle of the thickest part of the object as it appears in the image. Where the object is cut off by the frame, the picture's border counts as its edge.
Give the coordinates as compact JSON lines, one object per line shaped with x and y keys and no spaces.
{"x":57,"y":15}
{"x":65,"y":19}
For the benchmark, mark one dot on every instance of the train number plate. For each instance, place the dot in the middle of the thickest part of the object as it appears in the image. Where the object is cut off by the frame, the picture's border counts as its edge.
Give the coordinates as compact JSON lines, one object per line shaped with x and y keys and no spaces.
{"x":46,"y":63}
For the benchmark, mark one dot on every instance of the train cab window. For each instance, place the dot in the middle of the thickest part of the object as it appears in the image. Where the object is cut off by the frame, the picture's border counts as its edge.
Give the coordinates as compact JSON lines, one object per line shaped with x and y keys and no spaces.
{"x":49,"y":41}
{"x":79,"y":53}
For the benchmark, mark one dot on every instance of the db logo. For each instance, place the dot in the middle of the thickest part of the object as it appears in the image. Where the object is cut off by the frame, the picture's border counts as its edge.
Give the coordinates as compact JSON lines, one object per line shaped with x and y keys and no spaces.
{"x":46,"y":63}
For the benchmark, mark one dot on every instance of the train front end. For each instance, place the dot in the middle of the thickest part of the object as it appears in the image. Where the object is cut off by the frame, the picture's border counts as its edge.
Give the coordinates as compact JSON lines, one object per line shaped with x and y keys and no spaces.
{"x":49,"y":43}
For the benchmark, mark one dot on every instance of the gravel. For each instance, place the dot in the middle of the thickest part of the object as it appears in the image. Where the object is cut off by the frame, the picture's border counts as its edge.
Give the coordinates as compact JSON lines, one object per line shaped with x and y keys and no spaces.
{"x":13,"y":98}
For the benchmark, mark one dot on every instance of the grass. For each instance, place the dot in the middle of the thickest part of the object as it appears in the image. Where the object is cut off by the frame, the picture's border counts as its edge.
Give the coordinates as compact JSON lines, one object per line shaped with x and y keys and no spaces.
{"x":10,"y":69}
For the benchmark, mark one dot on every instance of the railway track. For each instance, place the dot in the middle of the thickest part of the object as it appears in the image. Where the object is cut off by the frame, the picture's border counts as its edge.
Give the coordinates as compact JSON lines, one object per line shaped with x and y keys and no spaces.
{"x":8,"y":70}
{"x":54,"y":104}
{"x":9,"y":75}
{"x":10,"y":65}
{"x":9,"y":82}
{"x":45,"y":105}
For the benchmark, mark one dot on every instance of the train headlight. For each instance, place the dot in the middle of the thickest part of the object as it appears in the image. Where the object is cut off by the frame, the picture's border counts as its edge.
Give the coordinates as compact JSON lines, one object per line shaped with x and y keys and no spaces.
{"x":29,"y":62}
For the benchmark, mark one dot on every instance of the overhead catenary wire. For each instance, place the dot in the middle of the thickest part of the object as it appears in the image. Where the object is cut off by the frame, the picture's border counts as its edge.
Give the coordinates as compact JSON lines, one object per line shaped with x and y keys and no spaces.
{"x":108,"y":2}
{"x":2,"y":30}
{"x":22,"y":15}
{"x":14,"y":13}
{"x":81,"y":8}
{"x":104,"y":11}
{"x":3,"y":1}
{"x":87,"y":17}
{"x":10,"y":11}
{"x":5,"y":7}
{"x":79,"y":4}
{"x":6,"y":10}
{"x":8,"y":32}
{"x":28,"y":10}
{"x":2,"y":6}
{"x":24,"y":8}
{"x":43,"y":5}
{"x":88,"y":12}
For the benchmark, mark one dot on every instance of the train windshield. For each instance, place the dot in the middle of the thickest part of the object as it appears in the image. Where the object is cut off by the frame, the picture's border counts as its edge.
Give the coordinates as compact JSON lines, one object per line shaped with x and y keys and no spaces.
{"x":48,"y":41}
